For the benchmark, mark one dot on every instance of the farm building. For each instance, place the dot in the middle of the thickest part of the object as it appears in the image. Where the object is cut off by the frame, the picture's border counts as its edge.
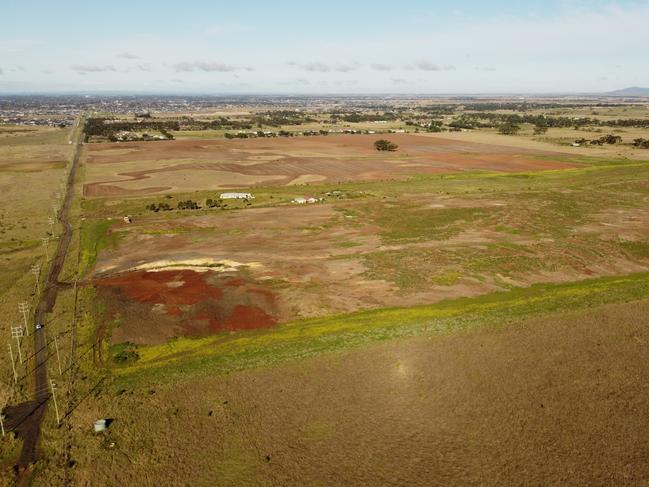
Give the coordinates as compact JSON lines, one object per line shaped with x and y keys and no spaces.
{"x":305,"y":199}
{"x":237,"y":196}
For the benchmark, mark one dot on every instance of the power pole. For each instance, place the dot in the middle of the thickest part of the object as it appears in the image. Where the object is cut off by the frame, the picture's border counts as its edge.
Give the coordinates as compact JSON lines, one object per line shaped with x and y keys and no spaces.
{"x":46,"y":240}
{"x":56,"y":407}
{"x":24,"y":309}
{"x":17,"y":333}
{"x":58,"y":358}
{"x":36,"y":270}
{"x":13,"y":363}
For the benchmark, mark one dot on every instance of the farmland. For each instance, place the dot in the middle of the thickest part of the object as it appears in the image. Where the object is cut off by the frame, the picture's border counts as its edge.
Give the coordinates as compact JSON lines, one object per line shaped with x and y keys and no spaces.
{"x":427,"y":315}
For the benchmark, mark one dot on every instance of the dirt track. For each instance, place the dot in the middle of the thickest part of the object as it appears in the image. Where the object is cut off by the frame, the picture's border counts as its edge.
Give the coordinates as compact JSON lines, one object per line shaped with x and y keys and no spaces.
{"x":26,"y":418}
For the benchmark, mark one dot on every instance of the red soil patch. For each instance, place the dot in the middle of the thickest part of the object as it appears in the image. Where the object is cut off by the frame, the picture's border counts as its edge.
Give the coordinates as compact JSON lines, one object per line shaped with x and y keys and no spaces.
{"x":171,"y":288}
{"x":248,"y":317}
{"x":152,"y":307}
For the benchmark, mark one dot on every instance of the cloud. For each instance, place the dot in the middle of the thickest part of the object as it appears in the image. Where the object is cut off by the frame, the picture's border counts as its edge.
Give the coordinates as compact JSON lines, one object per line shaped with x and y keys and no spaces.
{"x":1,"y":71}
{"x":128,"y":55}
{"x":570,"y":33}
{"x":381,"y":67}
{"x":428,"y":66}
{"x":206,"y":66}
{"x":297,"y":81}
{"x":347,"y":68}
{"x":92,"y":68}
{"x":317,"y":67}
{"x":141,"y":67}
{"x":400,"y":81}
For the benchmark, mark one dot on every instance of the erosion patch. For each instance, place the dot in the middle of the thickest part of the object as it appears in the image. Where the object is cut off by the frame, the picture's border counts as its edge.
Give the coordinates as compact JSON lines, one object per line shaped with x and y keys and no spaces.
{"x":146,"y":307}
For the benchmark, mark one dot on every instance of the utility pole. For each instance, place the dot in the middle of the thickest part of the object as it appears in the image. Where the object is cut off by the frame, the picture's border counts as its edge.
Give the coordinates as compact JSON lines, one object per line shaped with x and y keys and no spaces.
{"x":36,"y":270}
{"x":58,"y":358}
{"x":56,"y":407}
{"x":17,"y":333}
{"x":13,"y":363}
{"x":24,"y":309}
{"x":46,"y":240}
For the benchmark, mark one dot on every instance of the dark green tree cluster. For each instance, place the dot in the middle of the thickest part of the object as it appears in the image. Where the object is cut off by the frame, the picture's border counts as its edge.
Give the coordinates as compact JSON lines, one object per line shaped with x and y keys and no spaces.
{"x":240,"y":135}
{"x":385,"y":145}
{"x":509,"y":129}
{"x":282,"y":117}
{"x":104,"y":127}
{"x":490,"y":119}
{"x":607,"y":139}
{"x":641,"y":143}
{"x":210,"y":203}
{"x":188,"y":205}
{"x":158,"y":207}
{"x":363,"y":117}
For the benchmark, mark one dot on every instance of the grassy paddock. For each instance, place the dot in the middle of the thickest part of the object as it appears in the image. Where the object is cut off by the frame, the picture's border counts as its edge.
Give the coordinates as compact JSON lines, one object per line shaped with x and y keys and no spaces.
{"x":228,"y":352}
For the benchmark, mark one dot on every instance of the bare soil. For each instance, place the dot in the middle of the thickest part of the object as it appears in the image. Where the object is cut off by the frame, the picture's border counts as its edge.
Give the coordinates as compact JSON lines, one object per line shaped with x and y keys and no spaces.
{"x":151,"y":307}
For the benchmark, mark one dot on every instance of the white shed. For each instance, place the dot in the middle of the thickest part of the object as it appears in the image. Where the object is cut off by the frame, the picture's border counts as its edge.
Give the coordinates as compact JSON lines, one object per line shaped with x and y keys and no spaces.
{"x":237,"y":196}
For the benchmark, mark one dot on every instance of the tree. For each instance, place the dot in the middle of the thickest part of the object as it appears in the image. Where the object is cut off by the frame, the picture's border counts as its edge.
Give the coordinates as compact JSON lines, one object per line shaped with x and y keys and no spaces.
{"x":641,"y":142}
{"x":385,"y":145}
{"x":188,"y":205}
{"x":509,"y":129}
{"x":540,"y":129}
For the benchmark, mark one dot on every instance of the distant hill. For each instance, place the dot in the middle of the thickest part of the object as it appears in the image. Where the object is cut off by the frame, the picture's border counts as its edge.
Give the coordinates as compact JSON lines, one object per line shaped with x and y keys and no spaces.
{"x":633,"y":91}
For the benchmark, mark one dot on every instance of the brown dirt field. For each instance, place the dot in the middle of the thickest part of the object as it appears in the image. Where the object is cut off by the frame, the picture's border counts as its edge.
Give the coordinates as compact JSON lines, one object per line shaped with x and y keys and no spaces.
{"x":143,"y":168}
{"x":183,"y":302}
{"x":314,"y":257}
{"x":561,"y":400}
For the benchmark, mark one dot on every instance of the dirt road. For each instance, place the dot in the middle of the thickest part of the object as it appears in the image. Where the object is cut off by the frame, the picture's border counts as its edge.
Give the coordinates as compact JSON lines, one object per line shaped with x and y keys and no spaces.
{"x":25,"y":418}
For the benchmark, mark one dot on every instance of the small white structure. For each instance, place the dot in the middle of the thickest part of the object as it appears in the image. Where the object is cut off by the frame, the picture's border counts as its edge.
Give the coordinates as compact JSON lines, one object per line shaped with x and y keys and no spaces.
{"x":301,"y":200}
{"x":100,"y":425}
{"x":237,"y":196}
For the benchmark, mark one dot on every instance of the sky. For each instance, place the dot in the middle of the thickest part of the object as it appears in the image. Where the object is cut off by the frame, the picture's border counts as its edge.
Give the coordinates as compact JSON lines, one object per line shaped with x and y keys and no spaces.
{"x":299,"y":47}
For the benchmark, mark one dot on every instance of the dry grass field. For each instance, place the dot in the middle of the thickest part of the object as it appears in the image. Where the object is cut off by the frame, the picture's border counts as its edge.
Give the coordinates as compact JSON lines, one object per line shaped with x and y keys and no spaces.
{"x":559,"y":400}
{"x":184,"y":165}
{"x":32,"y":163}
{"x":467,"y":310}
